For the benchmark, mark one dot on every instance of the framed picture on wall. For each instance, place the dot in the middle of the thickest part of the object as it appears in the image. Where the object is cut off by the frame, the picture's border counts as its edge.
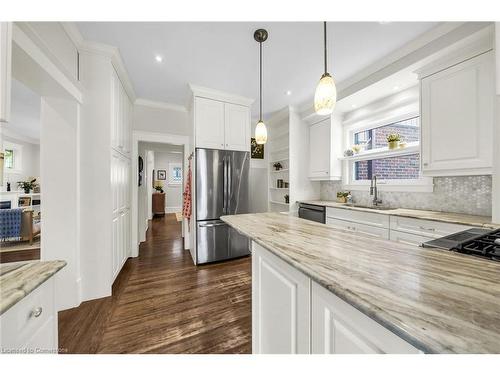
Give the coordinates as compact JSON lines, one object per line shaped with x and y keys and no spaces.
{"x":162,"y":174}
{"x":257,"y":151}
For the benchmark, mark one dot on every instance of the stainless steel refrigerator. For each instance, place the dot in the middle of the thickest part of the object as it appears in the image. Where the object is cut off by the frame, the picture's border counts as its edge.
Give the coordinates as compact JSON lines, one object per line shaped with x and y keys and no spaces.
{"x":221,"y":189}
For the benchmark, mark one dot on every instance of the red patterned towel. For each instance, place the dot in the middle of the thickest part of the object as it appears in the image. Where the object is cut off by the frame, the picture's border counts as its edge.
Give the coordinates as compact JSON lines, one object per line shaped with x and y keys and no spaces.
{"x":186,"y":209}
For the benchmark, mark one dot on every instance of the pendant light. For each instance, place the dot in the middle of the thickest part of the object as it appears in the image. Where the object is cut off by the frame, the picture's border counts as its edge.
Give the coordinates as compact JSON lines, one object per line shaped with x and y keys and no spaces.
{"x":326,"y":92}
{"x":260,"y":36}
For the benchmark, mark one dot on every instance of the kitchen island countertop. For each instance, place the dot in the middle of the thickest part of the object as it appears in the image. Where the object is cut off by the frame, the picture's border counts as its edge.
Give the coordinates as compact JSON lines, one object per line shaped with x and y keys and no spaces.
{"x":438,"y":301}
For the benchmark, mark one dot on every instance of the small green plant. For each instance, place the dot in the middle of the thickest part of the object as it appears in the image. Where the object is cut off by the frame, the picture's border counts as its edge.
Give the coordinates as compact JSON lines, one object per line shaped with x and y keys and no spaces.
{"x":342,"y":194}
{"x":393,"y":137}
{"x":277,"y":166}
{"x":159,"y":188}
{"x":27,"y":185}
{"x":287,"y":198}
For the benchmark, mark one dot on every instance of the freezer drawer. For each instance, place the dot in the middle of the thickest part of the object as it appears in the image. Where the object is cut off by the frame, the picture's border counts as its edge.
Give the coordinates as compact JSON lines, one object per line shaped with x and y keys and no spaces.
{"x":212,"y":241}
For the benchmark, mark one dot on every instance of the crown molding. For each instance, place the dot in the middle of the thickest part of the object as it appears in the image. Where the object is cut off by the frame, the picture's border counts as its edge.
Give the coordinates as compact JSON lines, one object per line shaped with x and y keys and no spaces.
{"x":209,"y":93}
{"x":73,"y":33}
{"x":160,"y":105}
{"x":9,"y":133}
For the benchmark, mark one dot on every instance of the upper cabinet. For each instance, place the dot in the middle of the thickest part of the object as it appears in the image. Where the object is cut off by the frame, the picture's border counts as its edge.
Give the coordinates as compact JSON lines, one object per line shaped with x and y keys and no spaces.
{"x":324,"y":147}
{"x":457,"y":114}
{"x":121,"y":117}
{"x":5,"y":69}
{"x":221,"y":121}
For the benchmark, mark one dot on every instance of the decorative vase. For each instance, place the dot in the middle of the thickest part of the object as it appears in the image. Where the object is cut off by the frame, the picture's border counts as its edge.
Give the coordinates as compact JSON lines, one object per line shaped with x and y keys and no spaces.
{"x":393,"y":145}
{"x":26,"y":191}
{"x":342,"y":199}
{"x":287,"y":199}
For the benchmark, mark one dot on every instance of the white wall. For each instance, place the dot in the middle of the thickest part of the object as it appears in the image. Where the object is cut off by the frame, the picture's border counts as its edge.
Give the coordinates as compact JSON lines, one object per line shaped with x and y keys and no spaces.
{"x":160,"y":120}
{"x":59,"y":171}
{"x":173,"y":193}
{"x":30,"y":163}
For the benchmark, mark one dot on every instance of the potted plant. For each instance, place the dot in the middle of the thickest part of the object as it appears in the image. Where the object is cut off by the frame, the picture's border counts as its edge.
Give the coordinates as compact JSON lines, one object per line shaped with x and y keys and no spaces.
{"x":159,"y":188}
{"x":27,"y":185}
{"x":393,"y":140}
{"x":342,"y":196}
{"x":277,"y":166}
{"x":287,"y":198}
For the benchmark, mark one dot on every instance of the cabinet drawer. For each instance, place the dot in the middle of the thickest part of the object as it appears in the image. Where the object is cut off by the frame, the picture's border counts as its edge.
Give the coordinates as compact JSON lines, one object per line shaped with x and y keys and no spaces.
{"x":22,"y":321}
{"x":426,"y":228}
{"x":363,"y":229}
{"x":361,"y":217}
{"x":407,"y":238}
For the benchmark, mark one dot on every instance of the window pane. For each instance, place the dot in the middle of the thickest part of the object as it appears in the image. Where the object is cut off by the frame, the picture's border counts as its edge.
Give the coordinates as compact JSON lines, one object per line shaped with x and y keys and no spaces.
{"x":9,"y":159}
{"x":409,"y":130}
{"x":394,"y":168}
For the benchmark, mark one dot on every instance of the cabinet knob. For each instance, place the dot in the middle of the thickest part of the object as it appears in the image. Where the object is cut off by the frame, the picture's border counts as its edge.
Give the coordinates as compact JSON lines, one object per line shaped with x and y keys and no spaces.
{"x":37,"y":312}
{"x":426,"y":164}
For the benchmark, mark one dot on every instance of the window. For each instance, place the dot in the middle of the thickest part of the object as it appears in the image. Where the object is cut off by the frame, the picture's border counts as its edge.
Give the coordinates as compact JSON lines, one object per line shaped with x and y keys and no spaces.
{"x":175,"y":173}
{"x":9,"y":159}
{"x":396,"y":169}
{"x":13,"y":154}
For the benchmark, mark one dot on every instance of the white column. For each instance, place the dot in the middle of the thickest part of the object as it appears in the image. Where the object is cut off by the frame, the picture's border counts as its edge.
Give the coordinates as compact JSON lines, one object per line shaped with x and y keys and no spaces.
{"x":496,"y":134}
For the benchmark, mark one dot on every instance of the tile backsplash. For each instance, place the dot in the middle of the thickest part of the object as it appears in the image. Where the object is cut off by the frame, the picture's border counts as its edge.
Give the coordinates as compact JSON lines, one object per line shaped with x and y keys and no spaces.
{"x":464,"y":194}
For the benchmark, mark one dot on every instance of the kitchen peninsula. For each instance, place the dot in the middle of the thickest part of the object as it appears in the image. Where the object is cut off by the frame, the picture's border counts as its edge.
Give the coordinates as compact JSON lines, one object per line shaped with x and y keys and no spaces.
{"x":318,"y":289}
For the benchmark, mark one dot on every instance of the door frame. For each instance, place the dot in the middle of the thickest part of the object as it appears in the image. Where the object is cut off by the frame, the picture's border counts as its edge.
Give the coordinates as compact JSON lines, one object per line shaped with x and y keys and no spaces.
{"x":145,"y":136}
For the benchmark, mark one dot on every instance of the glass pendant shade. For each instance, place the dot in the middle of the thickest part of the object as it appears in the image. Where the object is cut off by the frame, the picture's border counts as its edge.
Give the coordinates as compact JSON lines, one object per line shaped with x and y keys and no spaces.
{"x":261,"y":133}
{"x":325,"y":96}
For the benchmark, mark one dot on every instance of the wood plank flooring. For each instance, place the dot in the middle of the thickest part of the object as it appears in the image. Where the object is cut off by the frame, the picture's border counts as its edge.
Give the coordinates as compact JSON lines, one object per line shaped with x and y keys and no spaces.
{"x":162,"y":303}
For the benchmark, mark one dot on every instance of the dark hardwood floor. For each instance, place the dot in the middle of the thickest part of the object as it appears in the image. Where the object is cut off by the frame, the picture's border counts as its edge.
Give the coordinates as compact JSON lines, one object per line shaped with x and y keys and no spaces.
{"x":162,"y":303}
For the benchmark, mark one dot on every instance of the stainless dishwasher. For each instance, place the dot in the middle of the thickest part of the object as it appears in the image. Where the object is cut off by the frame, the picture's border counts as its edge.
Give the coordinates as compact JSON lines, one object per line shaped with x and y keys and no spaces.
{"x":312,"y":212}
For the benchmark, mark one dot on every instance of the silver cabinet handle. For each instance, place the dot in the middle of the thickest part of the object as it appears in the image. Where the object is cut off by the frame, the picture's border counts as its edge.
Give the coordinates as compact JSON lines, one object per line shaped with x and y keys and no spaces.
{"x":430,"y":229}
{"x":37,"y":312}
{"x":426,"y":164}
{"x":212,"y":225}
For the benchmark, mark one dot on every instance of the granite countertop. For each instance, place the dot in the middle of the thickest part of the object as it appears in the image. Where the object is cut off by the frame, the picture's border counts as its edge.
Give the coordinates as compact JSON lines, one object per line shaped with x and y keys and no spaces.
{"x":439,"y":301}
{"x":19,"y":279}
{"x":446,"y":217}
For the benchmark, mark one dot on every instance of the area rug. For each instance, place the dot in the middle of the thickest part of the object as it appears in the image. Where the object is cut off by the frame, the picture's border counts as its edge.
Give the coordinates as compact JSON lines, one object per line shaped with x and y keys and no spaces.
{"x":178,"y":216}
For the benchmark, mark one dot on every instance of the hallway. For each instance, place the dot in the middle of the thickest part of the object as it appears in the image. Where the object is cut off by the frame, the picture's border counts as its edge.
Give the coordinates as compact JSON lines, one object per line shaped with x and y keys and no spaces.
{"x":162,"y":303}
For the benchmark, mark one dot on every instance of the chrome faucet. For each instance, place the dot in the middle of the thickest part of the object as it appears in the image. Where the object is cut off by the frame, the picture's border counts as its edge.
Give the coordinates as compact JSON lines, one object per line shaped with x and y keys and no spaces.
{"x":374,"y":191}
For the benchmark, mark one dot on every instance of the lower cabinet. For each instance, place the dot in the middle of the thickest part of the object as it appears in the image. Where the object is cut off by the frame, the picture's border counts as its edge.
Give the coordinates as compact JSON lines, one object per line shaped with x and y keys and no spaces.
{"x":293,"y":314}
{"x":30,"y":326}
{"x":359,"y":228}
{"x":407,"y":238}
{"x":120,"y":241}
{"x":280,"y":306}
{"x":339,"y":328}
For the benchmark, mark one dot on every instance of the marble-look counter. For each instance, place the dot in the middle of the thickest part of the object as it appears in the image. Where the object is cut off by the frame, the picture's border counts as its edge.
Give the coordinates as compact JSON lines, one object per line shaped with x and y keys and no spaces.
{"x":439,"y":301}
{"x":19,"y":279}
{"x":446,"y":217}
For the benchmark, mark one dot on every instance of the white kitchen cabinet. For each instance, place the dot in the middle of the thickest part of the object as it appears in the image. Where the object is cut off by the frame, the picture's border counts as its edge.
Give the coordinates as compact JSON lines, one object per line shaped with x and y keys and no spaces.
{"x":280,"y":307}
{"x":368,"y":230}
{"x":5,"y":69}
{"x":425,"y":228}
{"x":407,"y":238}
{"x":209,"y":123}
{"x":121,"y":116}
{"x":31,"y":325}
{"x":220,"y":125}
{"x":457,"y":115}
{"x":362,"y":217}
{"x":324,"y":162}
{"x":339,"y":328}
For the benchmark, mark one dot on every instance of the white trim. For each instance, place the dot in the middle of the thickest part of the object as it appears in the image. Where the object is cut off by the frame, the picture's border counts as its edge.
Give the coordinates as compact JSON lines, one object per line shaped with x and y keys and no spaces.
{"x":5,"y":71}
{"x":160,"y":105}
{"x":209,"y":93}
{"x":384,"y":152}
{"x":143,"y":136}
{"x":73,"y":33}
{"x":8,"y":132}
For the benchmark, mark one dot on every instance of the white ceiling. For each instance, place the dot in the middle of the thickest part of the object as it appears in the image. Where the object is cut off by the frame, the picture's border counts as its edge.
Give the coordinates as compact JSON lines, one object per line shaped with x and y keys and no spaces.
{"x":224,"y":56}
{"x":25,"y":113}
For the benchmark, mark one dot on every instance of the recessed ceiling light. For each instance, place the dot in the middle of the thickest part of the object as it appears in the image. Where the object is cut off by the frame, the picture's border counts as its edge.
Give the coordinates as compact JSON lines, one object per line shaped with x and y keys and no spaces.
{"x":288,"y":92}
{"x":158,"y":58}
{"x":395,"y":88}
{"x":353,"y":106}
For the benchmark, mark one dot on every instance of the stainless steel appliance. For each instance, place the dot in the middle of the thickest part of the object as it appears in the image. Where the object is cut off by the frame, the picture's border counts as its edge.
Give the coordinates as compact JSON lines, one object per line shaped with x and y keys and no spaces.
{"x":221,"y":189}
{"x":484,"y":243}
{"x":312,"y":212}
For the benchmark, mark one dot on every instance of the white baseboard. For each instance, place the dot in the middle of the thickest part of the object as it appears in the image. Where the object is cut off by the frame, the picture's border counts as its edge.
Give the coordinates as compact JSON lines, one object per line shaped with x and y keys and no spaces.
{"x":171,"y":210}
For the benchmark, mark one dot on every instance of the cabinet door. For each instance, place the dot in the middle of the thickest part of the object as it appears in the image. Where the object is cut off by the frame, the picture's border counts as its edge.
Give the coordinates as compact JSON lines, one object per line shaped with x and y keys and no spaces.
{"x":115,"y":245}
{"x":319,"y":150}
{"x":339,"y":328}
{"x":457,"y":106}
{"x":281,"y":298}
{"x":237,"y":127}
{"x":209,"y":123}
{"x":5,"y":69}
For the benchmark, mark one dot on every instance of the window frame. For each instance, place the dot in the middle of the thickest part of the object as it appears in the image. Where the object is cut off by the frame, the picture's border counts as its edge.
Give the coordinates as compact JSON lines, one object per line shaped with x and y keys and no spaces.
{"x":421,"y":184}
{"x":171,"y":167}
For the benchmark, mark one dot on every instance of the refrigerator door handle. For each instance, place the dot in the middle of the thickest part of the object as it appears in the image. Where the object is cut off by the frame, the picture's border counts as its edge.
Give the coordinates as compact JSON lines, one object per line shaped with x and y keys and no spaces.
{"x":229,"y":184}
{"x":224,"y":186}
{"x":212,"y":225}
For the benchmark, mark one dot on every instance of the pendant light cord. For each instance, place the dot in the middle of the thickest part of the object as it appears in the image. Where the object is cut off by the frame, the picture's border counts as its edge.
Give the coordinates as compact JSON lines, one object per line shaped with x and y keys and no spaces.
{"x":260,"y":80}
{"x":324,"y":33}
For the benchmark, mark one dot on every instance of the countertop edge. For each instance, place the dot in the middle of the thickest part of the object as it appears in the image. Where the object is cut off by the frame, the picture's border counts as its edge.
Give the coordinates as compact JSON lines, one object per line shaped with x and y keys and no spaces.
{"x":57,"y":265}
{"x":340,"y":292}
